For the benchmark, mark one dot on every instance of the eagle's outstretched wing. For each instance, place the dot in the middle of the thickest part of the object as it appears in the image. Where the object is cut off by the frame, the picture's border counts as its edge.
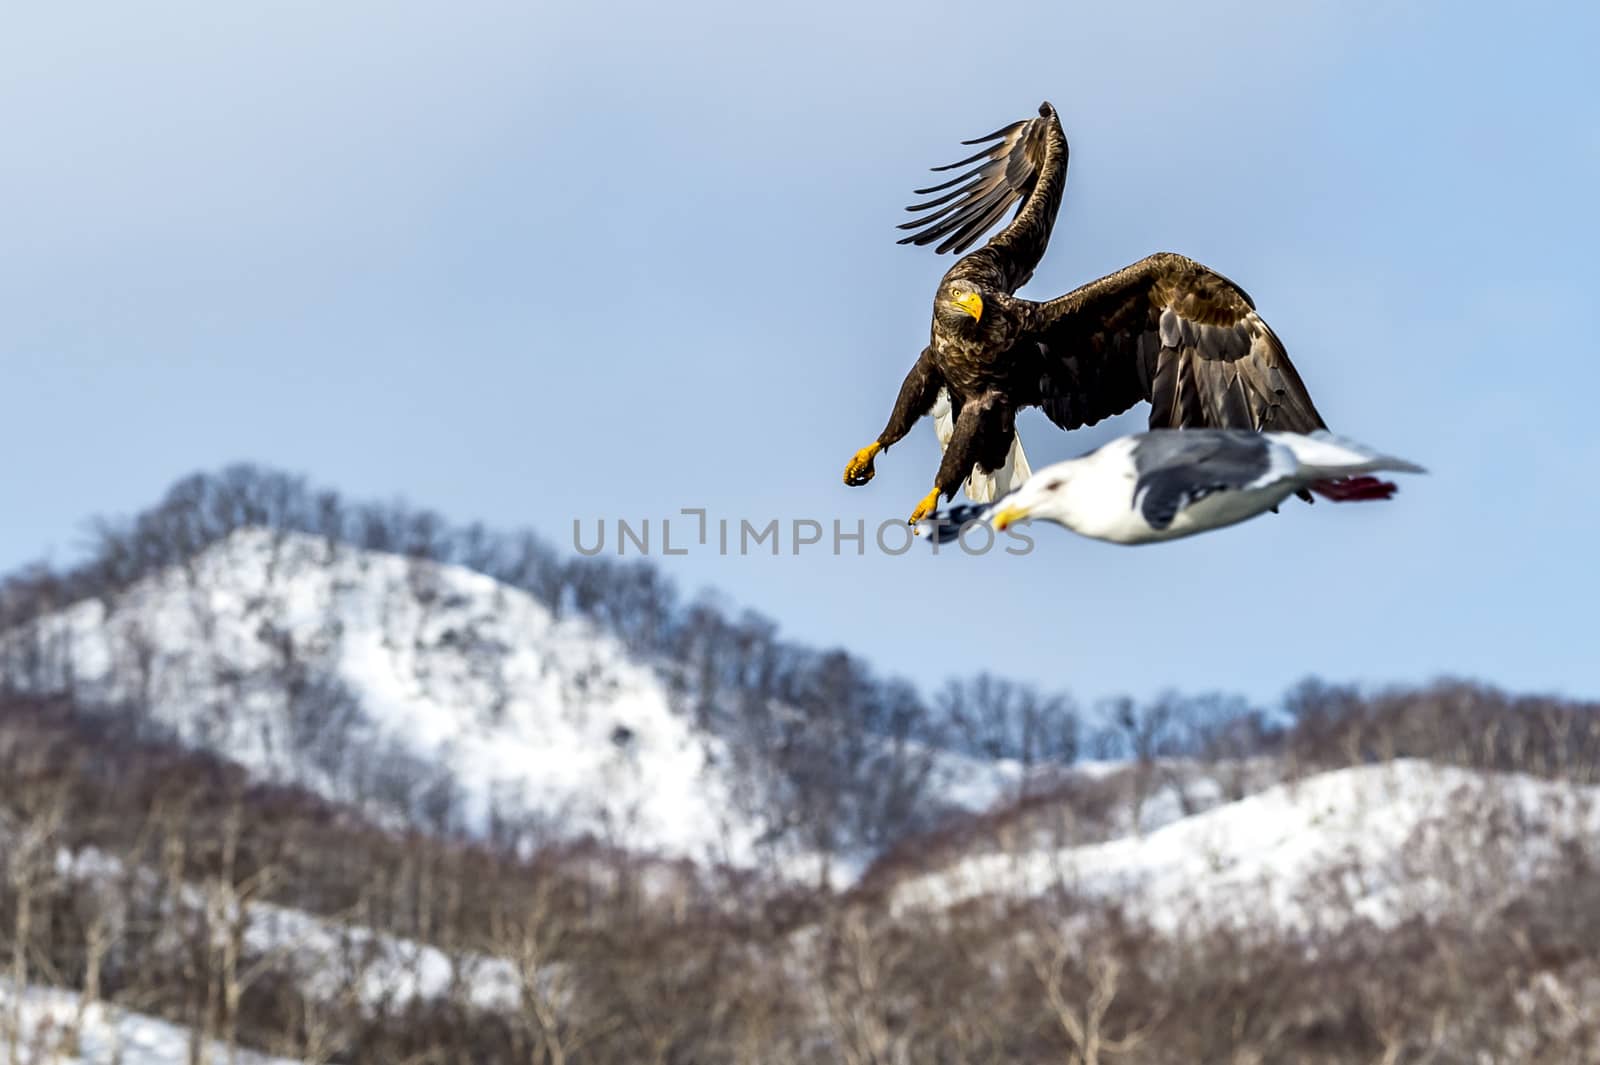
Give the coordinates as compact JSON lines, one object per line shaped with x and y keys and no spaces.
{"x":1173,"y":332}
{"x":1026,"y":162}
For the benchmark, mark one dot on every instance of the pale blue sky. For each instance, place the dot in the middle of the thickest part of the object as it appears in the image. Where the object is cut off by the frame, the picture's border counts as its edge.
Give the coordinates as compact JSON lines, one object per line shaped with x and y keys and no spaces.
{"x":524,"y":263}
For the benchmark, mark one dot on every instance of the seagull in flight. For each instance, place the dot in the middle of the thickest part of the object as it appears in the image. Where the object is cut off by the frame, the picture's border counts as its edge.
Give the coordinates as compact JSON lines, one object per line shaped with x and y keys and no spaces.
{"x":1169,"y":483}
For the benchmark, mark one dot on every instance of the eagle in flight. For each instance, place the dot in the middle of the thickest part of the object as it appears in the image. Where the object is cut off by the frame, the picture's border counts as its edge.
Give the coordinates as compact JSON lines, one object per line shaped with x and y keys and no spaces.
{"x":1165,"y":329}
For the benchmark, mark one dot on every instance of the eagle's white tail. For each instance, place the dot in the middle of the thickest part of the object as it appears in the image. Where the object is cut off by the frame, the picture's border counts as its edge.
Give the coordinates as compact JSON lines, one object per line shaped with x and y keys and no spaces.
{"x":1324,"y":456}
{"x":981,"y":487}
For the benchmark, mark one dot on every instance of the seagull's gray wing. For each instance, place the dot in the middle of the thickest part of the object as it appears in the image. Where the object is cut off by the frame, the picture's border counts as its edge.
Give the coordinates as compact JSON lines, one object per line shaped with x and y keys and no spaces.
{"x":1176,"y":468}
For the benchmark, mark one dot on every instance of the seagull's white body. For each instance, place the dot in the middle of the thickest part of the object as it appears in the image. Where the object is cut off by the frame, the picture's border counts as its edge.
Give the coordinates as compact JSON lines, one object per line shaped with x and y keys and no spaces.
{"x":1163,"y":485}
{"x":1098,"y":499}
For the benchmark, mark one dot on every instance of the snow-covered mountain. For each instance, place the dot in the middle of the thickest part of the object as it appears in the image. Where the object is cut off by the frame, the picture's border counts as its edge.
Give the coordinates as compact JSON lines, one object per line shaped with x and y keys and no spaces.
{"x":360,"y":674}
{"x":396,"y":683}
{"x":432,"y":695}
{"x":1380,"y":842}
{"x":424,"y":692}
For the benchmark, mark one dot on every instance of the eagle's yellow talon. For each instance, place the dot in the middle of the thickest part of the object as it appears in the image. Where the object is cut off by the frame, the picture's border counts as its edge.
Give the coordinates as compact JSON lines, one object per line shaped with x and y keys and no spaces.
{"x":924,"y":508}
{"x":858,"y":471}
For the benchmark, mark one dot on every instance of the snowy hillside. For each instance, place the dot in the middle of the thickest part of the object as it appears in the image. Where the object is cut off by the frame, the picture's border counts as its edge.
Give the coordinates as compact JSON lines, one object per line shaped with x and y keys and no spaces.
{"x":105,"y":1034}
{"x":1376,"y":842}
{"x":359,"y":673}
{"x":1342,"y":914}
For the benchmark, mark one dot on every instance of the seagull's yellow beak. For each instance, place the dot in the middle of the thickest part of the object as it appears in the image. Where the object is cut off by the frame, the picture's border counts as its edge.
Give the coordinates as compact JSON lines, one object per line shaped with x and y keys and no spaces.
{"x":1008,"y":515}
{"x":972,"y":303}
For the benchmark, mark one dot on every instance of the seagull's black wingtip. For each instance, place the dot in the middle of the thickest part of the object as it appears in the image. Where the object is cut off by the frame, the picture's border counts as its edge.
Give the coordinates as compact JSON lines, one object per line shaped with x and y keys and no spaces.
{"x":945,"y":526}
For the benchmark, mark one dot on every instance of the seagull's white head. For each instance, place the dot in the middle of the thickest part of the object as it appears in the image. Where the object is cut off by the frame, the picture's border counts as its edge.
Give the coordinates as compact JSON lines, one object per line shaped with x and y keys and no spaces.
{"x":1047,"y":495}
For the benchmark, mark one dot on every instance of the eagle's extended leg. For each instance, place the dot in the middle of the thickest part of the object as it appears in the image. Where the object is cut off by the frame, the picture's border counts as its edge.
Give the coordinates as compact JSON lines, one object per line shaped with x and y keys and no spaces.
{"x":917,"y":393}
{"x":982,"y":429}
{"x":929,"y":503}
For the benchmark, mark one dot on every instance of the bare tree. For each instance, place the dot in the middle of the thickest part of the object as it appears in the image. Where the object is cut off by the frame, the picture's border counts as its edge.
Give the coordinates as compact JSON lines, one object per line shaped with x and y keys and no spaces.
{"x":527,"y":927}
{"x":31,"y":828}
{"x":1079,"y":988}
{"x":858,"y":959}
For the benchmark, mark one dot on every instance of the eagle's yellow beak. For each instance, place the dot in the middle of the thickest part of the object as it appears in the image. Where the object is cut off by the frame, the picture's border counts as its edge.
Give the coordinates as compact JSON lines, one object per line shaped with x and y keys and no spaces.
{"x":972,"y":303}
{"x":1006,"y":516}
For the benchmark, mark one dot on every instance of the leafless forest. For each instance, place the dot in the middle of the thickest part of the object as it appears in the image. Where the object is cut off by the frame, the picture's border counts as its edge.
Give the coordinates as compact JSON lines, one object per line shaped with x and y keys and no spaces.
{"x":141,"y":871}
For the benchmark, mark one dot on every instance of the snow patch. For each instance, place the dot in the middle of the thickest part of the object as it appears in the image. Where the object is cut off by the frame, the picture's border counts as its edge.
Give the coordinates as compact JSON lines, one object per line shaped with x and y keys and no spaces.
{"x":107,"y":1034}
{"x":1376,"y":842}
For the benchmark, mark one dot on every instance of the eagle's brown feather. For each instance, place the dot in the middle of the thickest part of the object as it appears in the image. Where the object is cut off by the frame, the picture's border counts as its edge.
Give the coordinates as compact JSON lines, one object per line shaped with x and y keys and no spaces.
{"x":1028,"y":162}
{"x":1173,"y":332}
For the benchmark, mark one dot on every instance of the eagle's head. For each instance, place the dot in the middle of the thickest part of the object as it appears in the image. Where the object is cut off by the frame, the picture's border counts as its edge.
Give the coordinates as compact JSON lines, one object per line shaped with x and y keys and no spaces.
{"x":966,"y":311}
{"x":960,"y":308}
